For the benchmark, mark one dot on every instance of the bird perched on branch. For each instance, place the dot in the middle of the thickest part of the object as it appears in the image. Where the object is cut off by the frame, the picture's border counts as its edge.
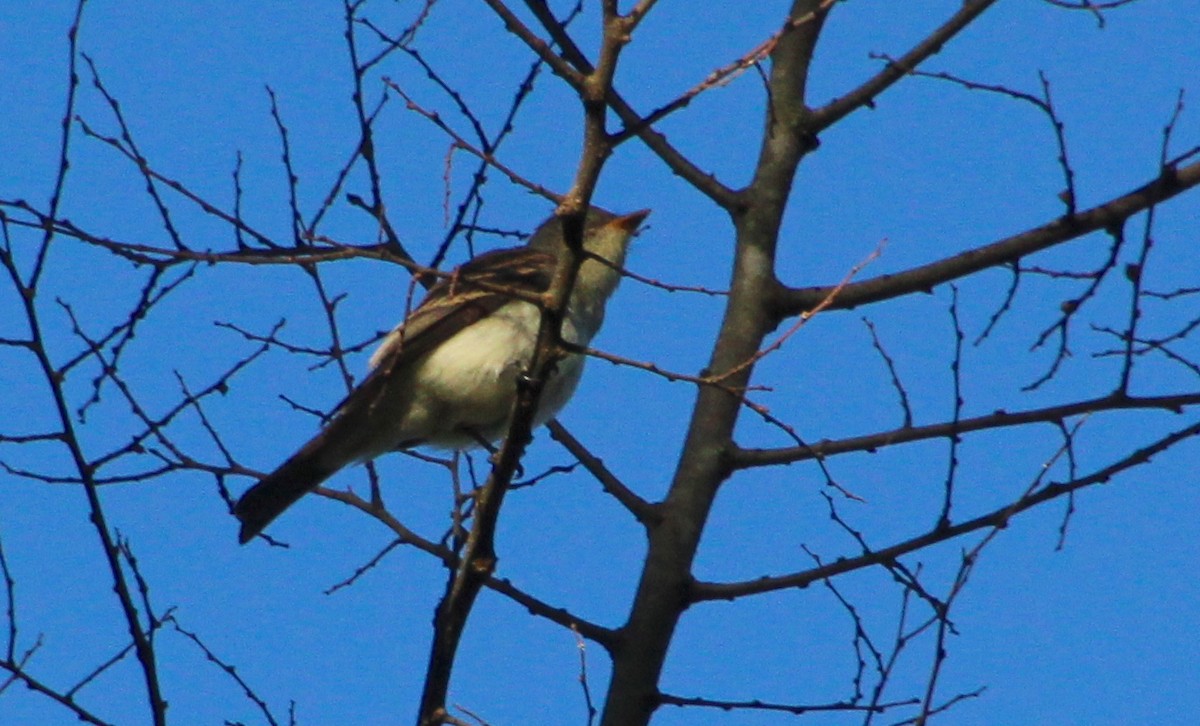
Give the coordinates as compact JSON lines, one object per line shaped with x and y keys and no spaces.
{"x":447,"y":375}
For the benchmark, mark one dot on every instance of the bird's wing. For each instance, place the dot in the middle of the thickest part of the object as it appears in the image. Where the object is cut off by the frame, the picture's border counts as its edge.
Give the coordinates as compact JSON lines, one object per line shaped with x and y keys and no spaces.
{"x":469,"y":294}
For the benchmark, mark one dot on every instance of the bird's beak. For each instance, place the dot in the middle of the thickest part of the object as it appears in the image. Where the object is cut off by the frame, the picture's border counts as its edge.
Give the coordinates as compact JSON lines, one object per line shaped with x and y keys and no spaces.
{"x":630,"y":222}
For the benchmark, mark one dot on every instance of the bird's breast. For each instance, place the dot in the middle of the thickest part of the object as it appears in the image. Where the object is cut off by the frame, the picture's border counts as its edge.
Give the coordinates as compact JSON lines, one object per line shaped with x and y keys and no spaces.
{"x":470,"y":380}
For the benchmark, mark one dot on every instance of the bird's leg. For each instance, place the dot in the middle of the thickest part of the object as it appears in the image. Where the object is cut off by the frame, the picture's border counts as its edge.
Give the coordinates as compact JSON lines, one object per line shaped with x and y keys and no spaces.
{"x":458,"y":529}
{"x":491,"y":449}
{"x":472,"y":433}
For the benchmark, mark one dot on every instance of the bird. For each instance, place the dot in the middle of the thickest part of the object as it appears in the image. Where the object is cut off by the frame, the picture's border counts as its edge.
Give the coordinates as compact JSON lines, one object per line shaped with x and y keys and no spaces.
{"x":447,"y":375}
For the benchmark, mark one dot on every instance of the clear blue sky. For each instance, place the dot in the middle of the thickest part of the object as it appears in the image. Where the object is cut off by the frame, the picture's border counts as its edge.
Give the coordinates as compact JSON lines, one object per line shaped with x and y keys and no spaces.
{"x":1102,"y":632}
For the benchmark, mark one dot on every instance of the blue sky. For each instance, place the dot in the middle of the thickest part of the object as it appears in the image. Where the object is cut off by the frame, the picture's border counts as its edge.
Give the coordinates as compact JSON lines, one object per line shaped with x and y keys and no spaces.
{"x":1098,"y":633}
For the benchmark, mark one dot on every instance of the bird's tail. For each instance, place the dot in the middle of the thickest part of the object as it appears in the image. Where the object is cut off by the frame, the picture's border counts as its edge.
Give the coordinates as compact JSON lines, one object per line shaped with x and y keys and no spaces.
{"x":318,"y":460}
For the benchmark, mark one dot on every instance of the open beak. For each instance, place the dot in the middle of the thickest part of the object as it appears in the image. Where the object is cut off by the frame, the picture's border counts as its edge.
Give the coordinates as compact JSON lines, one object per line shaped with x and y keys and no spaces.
{"x":630,"y":222}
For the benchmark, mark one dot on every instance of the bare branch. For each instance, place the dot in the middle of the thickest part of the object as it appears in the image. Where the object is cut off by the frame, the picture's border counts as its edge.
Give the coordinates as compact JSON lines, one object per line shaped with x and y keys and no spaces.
{"x":865,"y":94}
{"x":1109,"y":215}
{"x":744,"y":458}
{"x":999,"y":517}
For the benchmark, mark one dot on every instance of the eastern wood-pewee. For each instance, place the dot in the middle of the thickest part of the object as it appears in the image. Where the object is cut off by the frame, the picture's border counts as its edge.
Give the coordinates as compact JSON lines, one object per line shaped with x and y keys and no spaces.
{"x":447,"y":375}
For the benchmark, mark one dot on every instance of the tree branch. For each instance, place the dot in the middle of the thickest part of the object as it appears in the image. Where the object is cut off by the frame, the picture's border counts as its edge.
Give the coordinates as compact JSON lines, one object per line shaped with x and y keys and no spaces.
{"x":750,"y":458}
{"x":1113,"y":213}
{"x":702,"y":591}
{"x":864,"y":95}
